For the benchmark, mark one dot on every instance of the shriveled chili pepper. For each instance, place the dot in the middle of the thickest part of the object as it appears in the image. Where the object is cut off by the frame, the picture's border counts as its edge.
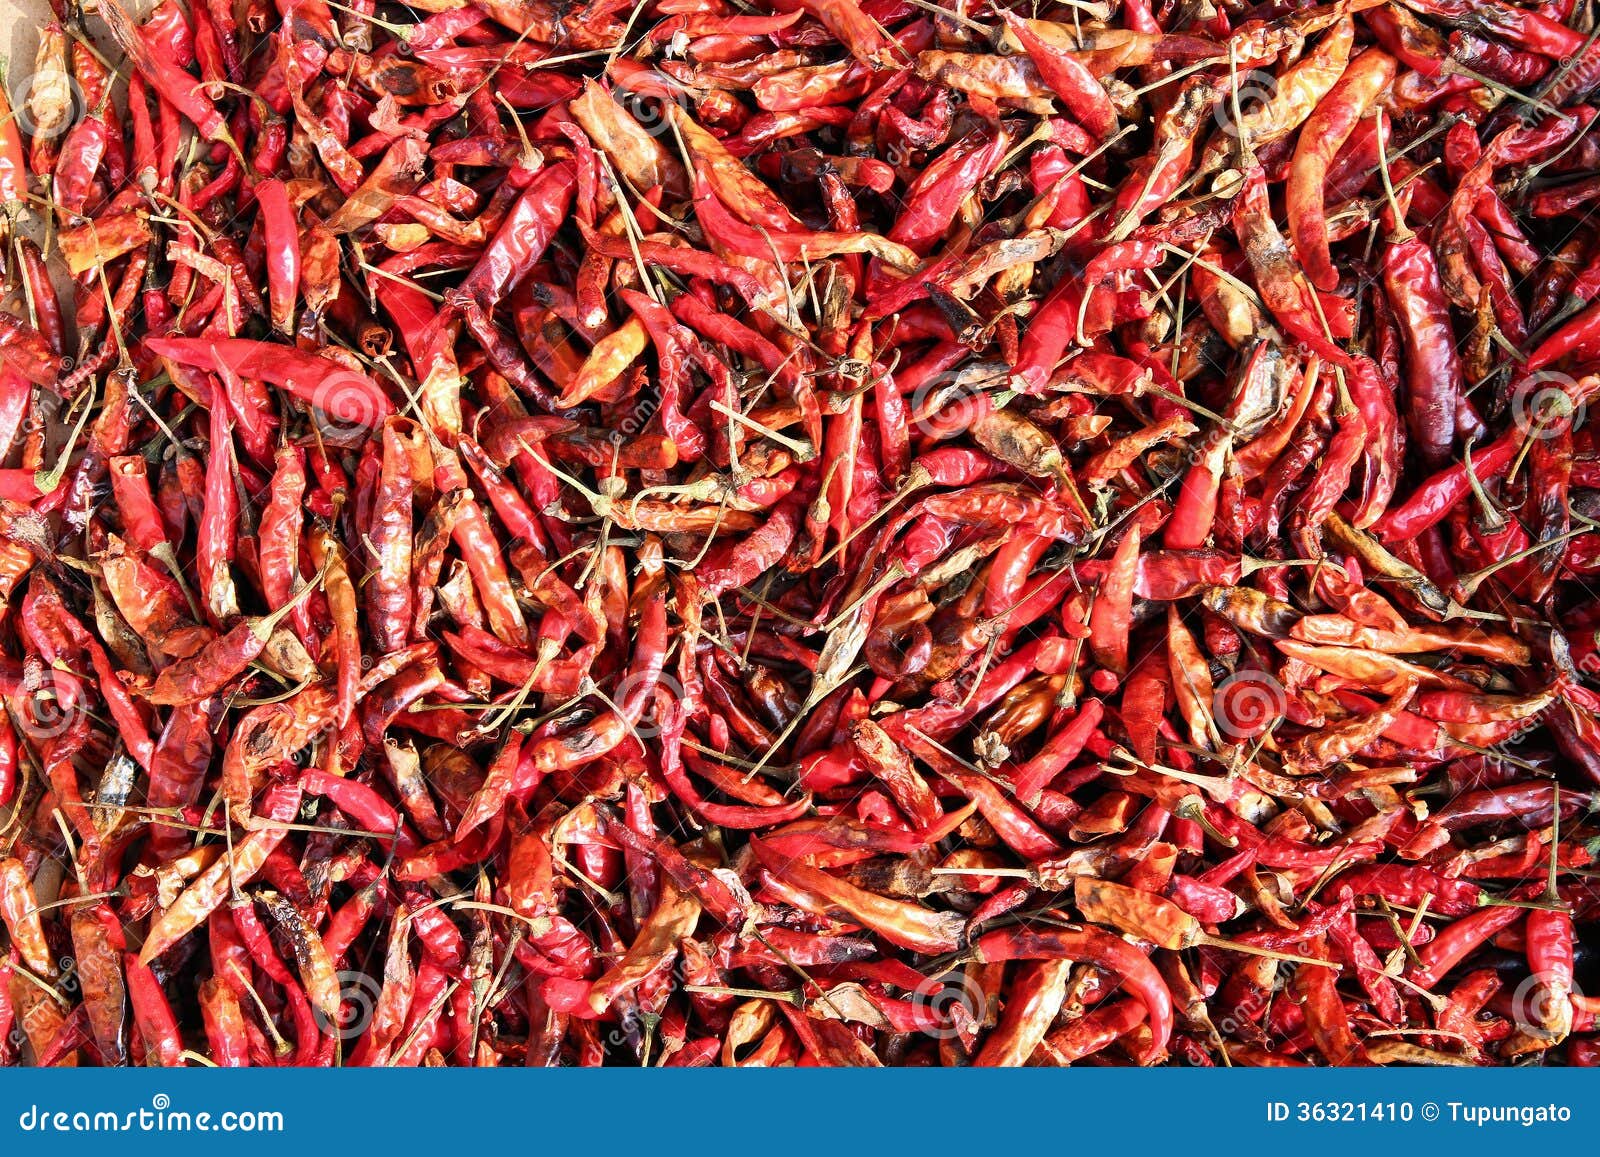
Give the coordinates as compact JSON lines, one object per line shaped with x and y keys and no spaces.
{"x":1325,"y":131}
{"x":833,"y":429}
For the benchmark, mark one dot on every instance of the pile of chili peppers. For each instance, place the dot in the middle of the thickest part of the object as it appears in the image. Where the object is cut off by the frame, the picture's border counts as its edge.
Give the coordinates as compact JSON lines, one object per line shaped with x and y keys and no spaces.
{"x":835,"y":532}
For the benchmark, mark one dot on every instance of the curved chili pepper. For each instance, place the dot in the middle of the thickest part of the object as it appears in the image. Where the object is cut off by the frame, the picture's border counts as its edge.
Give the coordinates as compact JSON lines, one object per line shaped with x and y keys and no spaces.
{"x":1099,"y":948}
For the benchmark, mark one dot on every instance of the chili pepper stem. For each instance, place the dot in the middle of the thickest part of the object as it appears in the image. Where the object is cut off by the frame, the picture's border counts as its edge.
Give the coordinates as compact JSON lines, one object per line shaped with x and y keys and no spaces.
{"x":263,"y":627}
{"x":408,"y":282}
{"x":249,"y":94}
{"x":1248,"y":565}
{"x":400,"y":32}
{"x":188,"y":215}
{"x":538,"y":925}
{"x":803,"y":451}
{"x":1532,"y":173}
{"x":1217,"y":787}
{"x":86,"y":898}
{"x":1504,"y":90}
{"x":48,"y":480}
{"x":1432,"y":999}
{"x":280,"y":1047}
{"x":948,"y":14}
{"x":1400,"y":233}
{"x":1179,"y":74}
{"x":906,"y":488}
{"x":433,"y":1010}
{"x":983,"y":668}
{"x":1219,"y":272}
{"x":1492,"y":520}
{"x":1266,"y":953}
{"x":611,"y":898}
{"x":1194,"y":808}
{"x":892,"y":575}
{"x":164,"y":554}
{"x":1468,"y":584}
{"x":493,"y":719}
{"x":1550,"y":893}
{"x":793,"y":996}
{"x":1531,"y":905}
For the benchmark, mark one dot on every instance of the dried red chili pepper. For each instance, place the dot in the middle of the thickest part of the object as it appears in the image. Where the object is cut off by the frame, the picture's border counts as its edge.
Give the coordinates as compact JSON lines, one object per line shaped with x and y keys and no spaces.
{"x":801,"y":431}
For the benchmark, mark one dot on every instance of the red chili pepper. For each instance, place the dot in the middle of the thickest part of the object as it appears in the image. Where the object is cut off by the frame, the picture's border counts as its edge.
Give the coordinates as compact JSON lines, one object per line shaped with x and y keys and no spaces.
{"x":13,"y":161}
{"x":26,"y":351}
{"x":1069,"y":79}
{"x":801,"y":432}
{"x":347,"y":395}
{"x":1437,"y":496}
{"x":282,"y":239}
{"x":165,"y":74}
{"x":1102,"y":950}
{"x":152,"y":1014}
{"x":1434,"y":376}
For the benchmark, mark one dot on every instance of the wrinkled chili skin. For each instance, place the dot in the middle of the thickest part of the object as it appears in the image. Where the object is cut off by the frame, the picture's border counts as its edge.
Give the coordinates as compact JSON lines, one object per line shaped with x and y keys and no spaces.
{"x":1433,"y":368}
{"x":591,"y":535}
